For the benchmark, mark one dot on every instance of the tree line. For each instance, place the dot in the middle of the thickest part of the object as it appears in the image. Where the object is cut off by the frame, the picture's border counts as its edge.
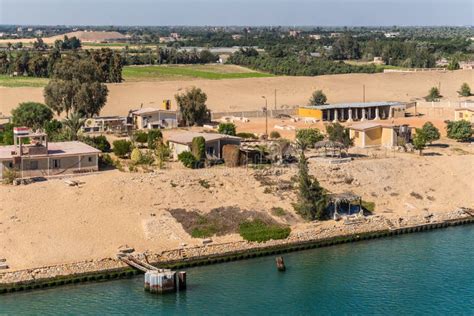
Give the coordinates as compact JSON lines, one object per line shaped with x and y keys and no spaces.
{"x":107,"y":63}
{"x":164,"y":55}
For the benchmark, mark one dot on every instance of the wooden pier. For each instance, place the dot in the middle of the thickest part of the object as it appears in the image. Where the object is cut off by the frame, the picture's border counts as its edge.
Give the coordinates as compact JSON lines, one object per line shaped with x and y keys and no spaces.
{"x":156,"y":280}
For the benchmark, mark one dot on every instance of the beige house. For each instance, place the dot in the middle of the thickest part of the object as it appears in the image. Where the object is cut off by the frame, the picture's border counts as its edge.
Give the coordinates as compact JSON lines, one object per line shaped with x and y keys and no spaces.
{"x":466,"y":114}
{"x":181,"y":141}
{"x":371,"y":134}
{"x":149,"y":118}
{"x":39,"y":158}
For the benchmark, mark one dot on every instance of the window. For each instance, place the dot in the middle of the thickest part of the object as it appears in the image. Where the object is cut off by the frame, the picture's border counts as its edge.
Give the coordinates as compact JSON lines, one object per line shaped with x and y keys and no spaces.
{"x":33,"y":165}
{"x":89,"y":159}
{"x":10,"y":165}
{"x":56,"y":163}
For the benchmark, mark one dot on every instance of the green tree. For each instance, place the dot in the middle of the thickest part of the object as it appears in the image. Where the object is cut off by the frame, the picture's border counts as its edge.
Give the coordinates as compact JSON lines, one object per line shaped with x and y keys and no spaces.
{"x":465,"y":90}
{"x":307,"y":137}
{"x":419,"y":140}
{"x":162,"y":153}
{"x":140,"y":137}
{"x":198,"y":148}
{"x":312,"y":199}
{"x":90,"y":98}
{"x":31,"y":114}
{"x":53,"y":128}
{"x":433,"y":95}
{"x":431,"y":132}
{"x":227,"y":129}
{"x":338,"y":133}
{"x":192,"y":105}
{"x":73,"y":124}
{"x":100,"y":142}
{"x":6,"y":137}
{"x":459,"y":130}
{"x":154,"y":136}
{"x":318,"y":98}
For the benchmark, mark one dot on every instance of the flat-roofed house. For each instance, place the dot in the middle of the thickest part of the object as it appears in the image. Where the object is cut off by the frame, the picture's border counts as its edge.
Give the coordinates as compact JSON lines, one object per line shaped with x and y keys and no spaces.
{"x":370,"y":134}
{"x":148,"y":118}
{"x":353,"y":111}
{"x":181,"y":141}
{"x":466,"y":114}
{"x":39,"y":158}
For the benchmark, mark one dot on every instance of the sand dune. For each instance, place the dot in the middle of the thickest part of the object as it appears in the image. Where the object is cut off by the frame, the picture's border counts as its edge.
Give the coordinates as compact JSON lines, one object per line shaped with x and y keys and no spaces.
{"x":245,"y":94}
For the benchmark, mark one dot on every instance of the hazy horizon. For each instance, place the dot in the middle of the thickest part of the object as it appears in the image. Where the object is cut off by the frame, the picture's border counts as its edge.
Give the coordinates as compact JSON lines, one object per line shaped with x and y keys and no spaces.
{"x":238,"y":12}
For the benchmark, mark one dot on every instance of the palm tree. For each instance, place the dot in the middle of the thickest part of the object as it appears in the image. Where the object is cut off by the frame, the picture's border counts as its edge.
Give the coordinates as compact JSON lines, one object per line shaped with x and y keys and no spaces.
{"x":73,"y":124}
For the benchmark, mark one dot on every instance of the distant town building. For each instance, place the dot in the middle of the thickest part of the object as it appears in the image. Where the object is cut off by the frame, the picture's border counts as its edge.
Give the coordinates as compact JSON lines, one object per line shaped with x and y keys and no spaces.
{"x":378,"y":60}
{"x":466,"y":65}
{"x":335,"y":34}
{"x":175,"y":35}
{"x":236,"y":37}
{"x":391,"y":34}
{"x":30,"y":29}
{"x":315,"y":36}
{"x":294,"y":33}
{"x":443,"y":62}
{"x":39,"y":33}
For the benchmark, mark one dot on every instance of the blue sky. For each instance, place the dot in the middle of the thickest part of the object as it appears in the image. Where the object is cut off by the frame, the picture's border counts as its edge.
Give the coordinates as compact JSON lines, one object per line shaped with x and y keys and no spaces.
{"x":238,"y":12}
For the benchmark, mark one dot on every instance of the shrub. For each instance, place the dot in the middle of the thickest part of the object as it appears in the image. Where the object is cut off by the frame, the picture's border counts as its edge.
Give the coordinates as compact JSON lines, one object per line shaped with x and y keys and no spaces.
{"x":459,"y":130}
{"x":99,"y":142}
{"x":162,"y":153}
{"x":227,"y":128}
{"x":259,"y":231}
{"x":307,"y":137}
{"x":153,"y":136}
{"x":188,"y":159}
{"x":465,"y":90}
{"x":338,"y":133}
{"x":9,"y":176}
{"x":105,"y":160}
{"x":122,"y":148}
{"x":198,"y":148}
{"x":140,"y":137}
{"x":147,"y":158}
{"x":204,"y":183}
{"x":247,"y":135}
{"x":433,"y":95}
{"x":136,"y":155}
{"x":278,"y":211}
{"x":318,"y":98}
{"x":419,"y":140}
{"x":275,"y":134}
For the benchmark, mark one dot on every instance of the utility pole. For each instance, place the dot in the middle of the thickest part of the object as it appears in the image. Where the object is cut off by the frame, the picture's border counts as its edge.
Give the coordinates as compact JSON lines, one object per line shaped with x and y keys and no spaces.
{"x":275,"y":99}
{"x":265,"y":109}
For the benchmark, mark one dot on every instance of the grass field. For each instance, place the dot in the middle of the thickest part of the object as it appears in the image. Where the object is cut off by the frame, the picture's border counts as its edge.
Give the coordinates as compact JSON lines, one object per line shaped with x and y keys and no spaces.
{"x":15,"y":82}
{"x":213,"y":72}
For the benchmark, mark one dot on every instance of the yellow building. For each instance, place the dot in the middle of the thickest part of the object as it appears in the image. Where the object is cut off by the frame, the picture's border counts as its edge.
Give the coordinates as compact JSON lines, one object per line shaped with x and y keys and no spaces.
{"x":372,"y":134}
{"x":353,"y":111}
{"x":464,"y":114}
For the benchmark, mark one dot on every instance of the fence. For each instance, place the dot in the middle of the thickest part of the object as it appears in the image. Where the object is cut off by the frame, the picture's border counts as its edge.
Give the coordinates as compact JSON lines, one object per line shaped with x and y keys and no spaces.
{"x":415,"y":70}
{"x":260,"y":113}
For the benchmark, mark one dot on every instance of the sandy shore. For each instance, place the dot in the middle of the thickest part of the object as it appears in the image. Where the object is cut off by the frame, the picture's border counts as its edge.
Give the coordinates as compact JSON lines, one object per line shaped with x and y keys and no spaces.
{"x":245,"y":94}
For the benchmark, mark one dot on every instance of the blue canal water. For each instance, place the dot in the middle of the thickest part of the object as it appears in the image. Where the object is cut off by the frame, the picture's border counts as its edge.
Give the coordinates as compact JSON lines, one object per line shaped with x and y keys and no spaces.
{"x":426,"y":273}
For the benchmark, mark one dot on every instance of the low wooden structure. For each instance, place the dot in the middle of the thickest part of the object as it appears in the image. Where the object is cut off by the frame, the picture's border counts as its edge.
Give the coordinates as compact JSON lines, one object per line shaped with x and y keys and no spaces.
{"x":347,"y":198}
{"x":336,"y":148}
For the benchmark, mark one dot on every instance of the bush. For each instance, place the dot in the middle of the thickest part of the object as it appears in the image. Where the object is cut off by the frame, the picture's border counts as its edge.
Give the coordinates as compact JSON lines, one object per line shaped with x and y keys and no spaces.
{"x":136,"y":155}
{"x":9,"y":175}
{"x":275,"y":134}
{"x":318,"y":98}
{"x":105,"y":160}
{"x":278,"y":211}
{"x":227,"y":128}
{"x":198,"y":148}
{"x":188,"y":159}
{"x":259,"y":231}
{"x":247,"y":135}
{"x":459,"y":130}
{"x":140,"y":137}
{"x":307,"y":137}
{"x":122,"y":148}
{"x":433,"y":95}
{"x":99,"y":142}
{"x":465,"y":90}
{"x":153,"y":136}
{"x":338,"y":133}
{"x":146,"y":158}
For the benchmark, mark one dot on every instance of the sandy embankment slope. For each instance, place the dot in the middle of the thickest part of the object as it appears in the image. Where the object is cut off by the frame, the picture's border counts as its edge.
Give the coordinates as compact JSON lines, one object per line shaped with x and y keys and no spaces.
{"x":245,"y":94}
{"x":50,"y":223}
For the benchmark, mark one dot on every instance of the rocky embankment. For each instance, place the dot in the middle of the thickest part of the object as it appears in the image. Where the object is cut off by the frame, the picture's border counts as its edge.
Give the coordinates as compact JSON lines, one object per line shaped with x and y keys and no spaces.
{"x":314,"y":232}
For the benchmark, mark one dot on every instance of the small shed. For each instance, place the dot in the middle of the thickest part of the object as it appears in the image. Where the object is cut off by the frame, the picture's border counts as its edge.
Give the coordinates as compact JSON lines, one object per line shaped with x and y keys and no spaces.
{"x":331,"y":147}
{"x":369,"y":134}
{"x":346,"y":203}
{"x":466,"y":114}
{"x":181,"y":141}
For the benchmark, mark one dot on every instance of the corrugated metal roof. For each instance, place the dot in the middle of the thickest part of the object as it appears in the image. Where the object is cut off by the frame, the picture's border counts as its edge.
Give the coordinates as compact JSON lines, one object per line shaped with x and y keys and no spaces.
{"x":187,"y":137}
{"x":352,"y":105}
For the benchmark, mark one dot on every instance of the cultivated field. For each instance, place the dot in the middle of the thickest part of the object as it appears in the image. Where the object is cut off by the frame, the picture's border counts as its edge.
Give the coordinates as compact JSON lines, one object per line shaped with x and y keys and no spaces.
{"x":246,"y":94}
{"x":83,"y":36}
